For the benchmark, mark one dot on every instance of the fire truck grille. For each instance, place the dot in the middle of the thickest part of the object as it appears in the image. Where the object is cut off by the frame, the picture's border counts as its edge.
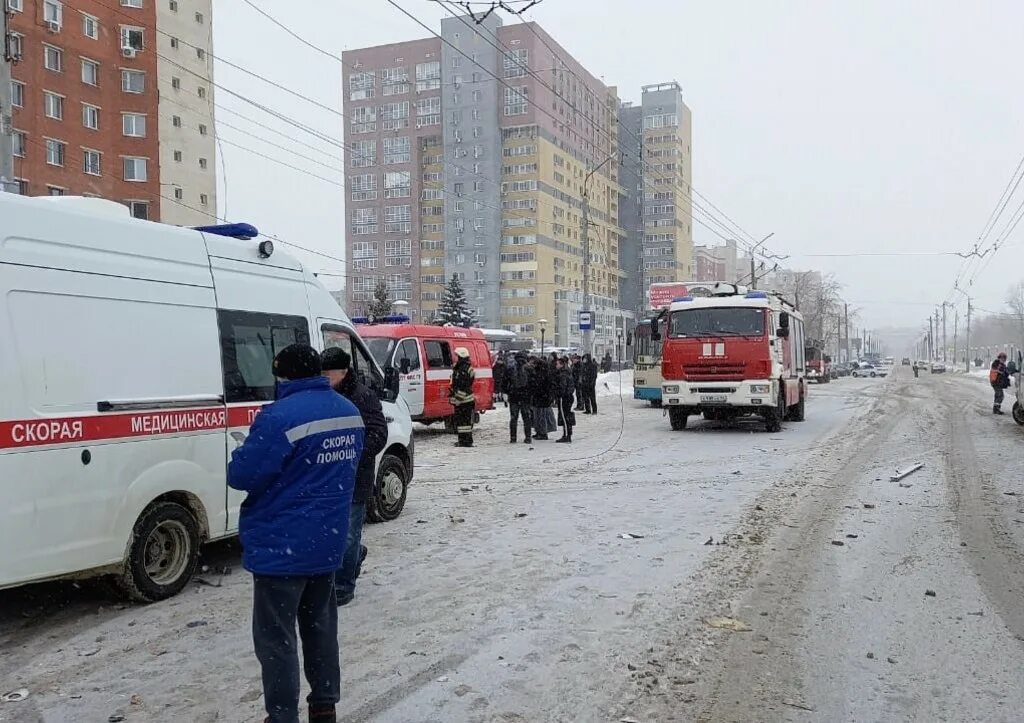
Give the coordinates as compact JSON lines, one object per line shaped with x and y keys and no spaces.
{"x":716,"y":390}
{"x":717,"y":372}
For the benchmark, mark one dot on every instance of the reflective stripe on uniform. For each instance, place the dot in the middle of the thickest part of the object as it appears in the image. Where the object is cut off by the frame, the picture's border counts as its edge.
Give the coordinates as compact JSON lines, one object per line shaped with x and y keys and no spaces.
{"x":320,"y":426}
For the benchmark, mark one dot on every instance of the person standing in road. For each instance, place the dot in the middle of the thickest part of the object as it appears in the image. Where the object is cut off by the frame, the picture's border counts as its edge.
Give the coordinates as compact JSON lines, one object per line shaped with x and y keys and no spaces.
{"x":298,"y":466}
{"x":999,"y":378}
{"x":564,"y":389}
{"x":517,"y":387}
{"x":916,"y":370}
{"x":336,"y":364}
{"x":461,"y":396}
{"x":540,"y":397}
{"x":588,"y":379}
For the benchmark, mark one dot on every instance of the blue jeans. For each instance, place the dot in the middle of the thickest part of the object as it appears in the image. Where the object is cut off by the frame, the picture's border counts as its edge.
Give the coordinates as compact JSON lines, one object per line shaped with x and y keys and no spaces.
{"x":345,"y":578}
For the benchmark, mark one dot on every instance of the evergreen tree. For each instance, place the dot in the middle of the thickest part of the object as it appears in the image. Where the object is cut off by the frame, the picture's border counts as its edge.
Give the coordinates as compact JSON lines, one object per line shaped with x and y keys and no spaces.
{"x":454,"y":308}
{"x":381,"y":304}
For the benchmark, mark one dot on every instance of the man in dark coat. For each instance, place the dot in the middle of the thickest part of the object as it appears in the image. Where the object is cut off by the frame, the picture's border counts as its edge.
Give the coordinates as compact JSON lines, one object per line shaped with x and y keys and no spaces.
{"x":577,"y":380}
{"x":498,"y":372}
{"x":999,"y":378}
{"x":517,"y":387}
{"x":337,"y":365}
{"x":588,"y":380}
{"x":541,"y":397}
{"x":564,"y":389}
{"x":298,"y":467}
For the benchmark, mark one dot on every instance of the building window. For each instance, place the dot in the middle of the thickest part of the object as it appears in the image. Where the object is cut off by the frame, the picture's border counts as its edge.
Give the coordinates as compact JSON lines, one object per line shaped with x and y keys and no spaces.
{"x":364,"y":119}
{"x":174,"y":43}
{"x":199,"y":18}
{"x":201,"y":92}
{"x":177,"y":156}
{"x":15,"y":6}
{"x":131,"y":38}
{"x":53,"y":105}
{"x":363,"y":187}
{"x":90,"y":72}
{"x":133,"y":125}
{"x":91,"y":162}
{"x":361,"y":86}
{"x":133,"y":81}
{"x":202,"y":163}
{"x":428,"y":76}
{"x":54,"y":191}
{"x":202,"y":129}
{"x":55,"y":152}
{"x":395,"y":81}
{"x":397,"y":150}
{"x":16,"y":45}
{"x":19,"y":144}
{"x":204,"y":200}
{"x":176,"y":121}
{"x":131,"y":3}
{"x":22,"y":186}
{"x":478,"y":95}
{"x":139,"y":209}
{"x":176,"y":83}
{"x":515,"y":101}
{"x":397,"y":184}
{"x":178,"y":194}
{"x":53,"y":12}
{"x":17,"y":94}
{"x":90,"y":27}
{"x":135,"y":169}
{"x":90,"y":116}
{"x":394,"y":116}
{"x":364,"y":153}
{"x":53,"y":59}
{"x":516,"y":63}
{"x":173,"y":4}
{"x":200,"y":53}
{"x":428,"y":112}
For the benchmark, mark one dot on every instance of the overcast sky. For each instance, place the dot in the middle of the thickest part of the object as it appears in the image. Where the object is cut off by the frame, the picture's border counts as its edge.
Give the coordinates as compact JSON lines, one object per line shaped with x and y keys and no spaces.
{"x":842,"y":127}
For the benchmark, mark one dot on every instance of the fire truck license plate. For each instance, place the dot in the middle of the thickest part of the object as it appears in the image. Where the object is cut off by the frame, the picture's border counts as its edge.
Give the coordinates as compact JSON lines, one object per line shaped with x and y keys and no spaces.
{"x":713,"y":398}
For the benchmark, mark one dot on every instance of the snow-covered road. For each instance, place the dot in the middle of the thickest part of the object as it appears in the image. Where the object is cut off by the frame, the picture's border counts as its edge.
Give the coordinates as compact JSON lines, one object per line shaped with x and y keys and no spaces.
{"x":506,"y":591}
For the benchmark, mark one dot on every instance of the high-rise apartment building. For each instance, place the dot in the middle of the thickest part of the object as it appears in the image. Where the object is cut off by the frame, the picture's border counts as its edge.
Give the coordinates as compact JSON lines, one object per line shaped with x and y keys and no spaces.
{"x":657,"y":217}
{"x":478,"y":166}
{"x":87,"y":104}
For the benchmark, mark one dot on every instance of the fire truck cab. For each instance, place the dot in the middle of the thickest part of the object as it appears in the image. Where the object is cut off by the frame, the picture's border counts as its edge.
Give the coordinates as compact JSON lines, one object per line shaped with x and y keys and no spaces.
{"x":735,"y":353}
{"x":423,"y":355}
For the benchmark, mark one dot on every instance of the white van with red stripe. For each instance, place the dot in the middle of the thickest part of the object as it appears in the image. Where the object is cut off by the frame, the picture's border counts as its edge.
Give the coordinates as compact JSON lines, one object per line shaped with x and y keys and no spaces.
{"x":134,"y":357}
{"x":423,"y":357}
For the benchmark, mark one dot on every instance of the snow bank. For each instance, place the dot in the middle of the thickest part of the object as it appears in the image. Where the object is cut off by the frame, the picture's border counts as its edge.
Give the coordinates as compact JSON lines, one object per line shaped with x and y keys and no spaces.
{"x":608,"y":384}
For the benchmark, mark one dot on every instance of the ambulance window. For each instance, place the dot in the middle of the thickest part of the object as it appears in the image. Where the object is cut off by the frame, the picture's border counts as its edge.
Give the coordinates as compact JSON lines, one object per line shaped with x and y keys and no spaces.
{"x":408,"y":350}
{"x":335,"y":336}
{"x":249,"y":342}
{"x":439,"y":355}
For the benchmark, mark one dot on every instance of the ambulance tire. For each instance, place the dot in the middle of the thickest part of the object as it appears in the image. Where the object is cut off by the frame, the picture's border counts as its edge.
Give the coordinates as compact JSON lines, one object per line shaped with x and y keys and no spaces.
{"x":798,"y":412}
{"x":773,"y":417}
{"x":1018,"y":413}
{"x":387,"y":499}
{"x":677,"y":418}
{"x":163,"y":553}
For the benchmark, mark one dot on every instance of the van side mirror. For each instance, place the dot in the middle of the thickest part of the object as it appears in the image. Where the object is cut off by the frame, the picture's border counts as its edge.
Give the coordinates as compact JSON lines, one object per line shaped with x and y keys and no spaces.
{"x":655,"y":334}
{"x":782,"y":332}
{"x":403,"y":365}
{"x":391,"y":384}
{"x":783,"y":319}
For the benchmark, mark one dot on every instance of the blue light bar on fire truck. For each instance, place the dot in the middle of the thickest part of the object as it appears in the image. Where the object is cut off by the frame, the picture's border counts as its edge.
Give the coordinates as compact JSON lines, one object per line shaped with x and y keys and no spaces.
{"x":682,"y":298}
{"x":757,"y":295}
{"x":392,"y":319}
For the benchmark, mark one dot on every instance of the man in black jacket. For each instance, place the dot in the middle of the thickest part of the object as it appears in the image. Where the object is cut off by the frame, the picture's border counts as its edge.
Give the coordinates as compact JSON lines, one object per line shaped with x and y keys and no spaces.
{"x":564,"y":389}
{"x":541,"y":397}
{"x":577,"y":380}
{"x":517,"y":387}
{"x":588,"y":380}
{"x":336,"y":364}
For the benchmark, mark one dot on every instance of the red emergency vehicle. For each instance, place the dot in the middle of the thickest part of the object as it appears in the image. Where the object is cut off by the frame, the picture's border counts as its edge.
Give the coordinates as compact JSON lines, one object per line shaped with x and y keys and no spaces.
{"x":733,"y":354}
{"x":423,"y":356}
{"x":819,"y":364}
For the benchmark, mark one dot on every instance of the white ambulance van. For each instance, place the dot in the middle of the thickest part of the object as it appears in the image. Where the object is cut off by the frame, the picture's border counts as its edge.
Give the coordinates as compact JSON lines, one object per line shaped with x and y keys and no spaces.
{"x":133,"y":358}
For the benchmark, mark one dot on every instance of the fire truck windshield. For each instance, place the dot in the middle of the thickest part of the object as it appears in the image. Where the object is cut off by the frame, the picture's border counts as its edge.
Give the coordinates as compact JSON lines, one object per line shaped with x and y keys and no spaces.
{"x":723,"y":321}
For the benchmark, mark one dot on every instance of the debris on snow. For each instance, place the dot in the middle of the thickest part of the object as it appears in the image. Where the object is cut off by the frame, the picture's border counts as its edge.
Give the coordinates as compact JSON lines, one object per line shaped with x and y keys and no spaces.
{"x":631,"y":536}
{"x":443,"y":679}
{"x":1010,"y":494}
{"x":868,"y":506}
{"x":871,"y":656}
{"x":851,"y":536}
{"x":732,"y":624}
{"x":711,"y":541}
{"x":797,"y":704}
{"x":908,"y":471}
{"x":838,"y":543}
{"x":453,"y":518}
{"x":197,"y":624}
{"x":89,"y":653}
{"x":520,"y":514}
{"x":891,"y":659}
{"x":929,"y":593}
{"x":15,"y":696}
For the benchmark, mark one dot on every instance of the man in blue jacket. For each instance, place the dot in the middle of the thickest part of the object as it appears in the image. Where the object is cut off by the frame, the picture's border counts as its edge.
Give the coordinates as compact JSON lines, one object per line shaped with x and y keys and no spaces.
{"x":298,"y":465}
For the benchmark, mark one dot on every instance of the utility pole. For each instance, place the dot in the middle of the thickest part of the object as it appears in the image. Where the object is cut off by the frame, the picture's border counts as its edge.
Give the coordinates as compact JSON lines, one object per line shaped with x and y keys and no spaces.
{"x":968,"y":355}
{"x":846,"y":321}
{"x":588,"y":336}
{"x":931,"y":341}
{"x":956,"y":323}
{"x":944,"y":343}
{"x":6,"y":107}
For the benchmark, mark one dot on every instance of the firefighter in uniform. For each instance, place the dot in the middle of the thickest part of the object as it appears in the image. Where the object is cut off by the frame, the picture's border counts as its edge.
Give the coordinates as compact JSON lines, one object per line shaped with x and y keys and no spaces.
{"x":461,"y":397}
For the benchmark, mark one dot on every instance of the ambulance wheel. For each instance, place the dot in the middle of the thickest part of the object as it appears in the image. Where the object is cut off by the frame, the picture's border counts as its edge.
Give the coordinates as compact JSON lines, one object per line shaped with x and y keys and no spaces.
{"x":1018,"y":413}
{"x":677,"y":418}
{"x":163,"y":553}
{"x":388,"y":497}
{"x":797,"y":413}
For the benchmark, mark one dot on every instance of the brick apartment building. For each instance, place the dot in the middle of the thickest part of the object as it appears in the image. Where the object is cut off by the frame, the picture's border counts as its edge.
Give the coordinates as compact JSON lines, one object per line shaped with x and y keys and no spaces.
{"x":471,"y":157}
{"x":87,"y":110}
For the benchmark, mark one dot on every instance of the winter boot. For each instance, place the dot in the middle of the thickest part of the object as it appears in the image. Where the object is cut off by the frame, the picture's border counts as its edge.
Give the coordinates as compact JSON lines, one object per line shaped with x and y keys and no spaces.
{"x":322,"y":715}
{"x":996,"y":410}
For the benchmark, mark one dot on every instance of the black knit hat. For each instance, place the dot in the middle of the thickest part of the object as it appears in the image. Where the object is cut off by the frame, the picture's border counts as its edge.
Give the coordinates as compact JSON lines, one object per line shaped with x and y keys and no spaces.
{"x":298,"y":361}
{"x":335,"y":358}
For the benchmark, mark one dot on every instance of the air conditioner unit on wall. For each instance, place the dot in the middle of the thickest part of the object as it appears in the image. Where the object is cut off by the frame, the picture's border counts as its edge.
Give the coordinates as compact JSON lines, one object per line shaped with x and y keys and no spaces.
{"x":53,"y":26}
{"x":129,"y":52}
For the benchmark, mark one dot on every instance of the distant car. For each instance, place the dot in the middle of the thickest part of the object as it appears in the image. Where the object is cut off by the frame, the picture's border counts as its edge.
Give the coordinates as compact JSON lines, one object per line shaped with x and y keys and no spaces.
{"x":938,"y":368}
{"x":869,"y":370}
{"x":843,"y":369}
{"x":906,"y":361}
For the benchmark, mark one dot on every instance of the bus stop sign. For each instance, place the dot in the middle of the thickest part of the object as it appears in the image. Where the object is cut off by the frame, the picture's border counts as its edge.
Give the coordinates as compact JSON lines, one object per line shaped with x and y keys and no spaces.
{"x":586,"y":320}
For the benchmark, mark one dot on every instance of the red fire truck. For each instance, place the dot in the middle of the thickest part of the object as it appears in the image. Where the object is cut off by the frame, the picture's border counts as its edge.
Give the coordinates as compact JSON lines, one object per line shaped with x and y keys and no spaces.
{"x":819,"y":364}
{"x":735,"y":353}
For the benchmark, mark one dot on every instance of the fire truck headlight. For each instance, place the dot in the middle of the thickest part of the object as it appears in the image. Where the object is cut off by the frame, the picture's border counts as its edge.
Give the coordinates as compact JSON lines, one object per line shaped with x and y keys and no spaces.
{"x":760,"y":388}
{"x":672,"y":389}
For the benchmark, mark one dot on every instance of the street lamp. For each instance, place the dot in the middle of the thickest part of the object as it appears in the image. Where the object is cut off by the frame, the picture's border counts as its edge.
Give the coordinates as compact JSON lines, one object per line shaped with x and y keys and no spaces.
{"x":543,"y":323}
